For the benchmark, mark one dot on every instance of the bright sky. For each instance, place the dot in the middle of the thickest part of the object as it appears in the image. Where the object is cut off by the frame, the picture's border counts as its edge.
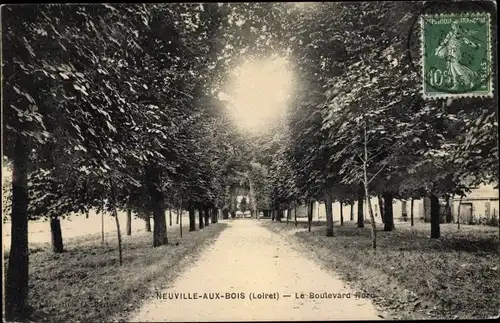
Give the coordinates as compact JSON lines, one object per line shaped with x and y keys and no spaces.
{"x":258,"y":92}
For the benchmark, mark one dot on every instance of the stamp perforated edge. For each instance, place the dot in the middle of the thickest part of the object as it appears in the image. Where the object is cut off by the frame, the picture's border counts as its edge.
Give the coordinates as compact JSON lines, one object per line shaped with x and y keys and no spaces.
{"x":422,"y":52}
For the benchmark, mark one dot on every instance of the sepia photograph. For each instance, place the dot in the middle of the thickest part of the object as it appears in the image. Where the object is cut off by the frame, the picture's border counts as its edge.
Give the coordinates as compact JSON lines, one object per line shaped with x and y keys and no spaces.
{"x":250,"y":161}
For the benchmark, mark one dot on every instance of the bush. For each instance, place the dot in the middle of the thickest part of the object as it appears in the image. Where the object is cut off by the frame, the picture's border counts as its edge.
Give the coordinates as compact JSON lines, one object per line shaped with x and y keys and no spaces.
{"x":472,"y":220}
{"x":493,"y":221}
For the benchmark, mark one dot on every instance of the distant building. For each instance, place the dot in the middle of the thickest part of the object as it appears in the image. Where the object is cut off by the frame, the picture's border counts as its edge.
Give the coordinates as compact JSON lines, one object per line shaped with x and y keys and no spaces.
{"x":481,"y":204}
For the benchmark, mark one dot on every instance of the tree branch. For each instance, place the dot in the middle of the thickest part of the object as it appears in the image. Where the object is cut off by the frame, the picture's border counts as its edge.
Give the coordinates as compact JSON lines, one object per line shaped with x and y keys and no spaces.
{"x":369,"y":140}
{"x":377,"y":154}
{"x":359,"y":167}
{"x":373,"y":177}
{"x":361,"y":159}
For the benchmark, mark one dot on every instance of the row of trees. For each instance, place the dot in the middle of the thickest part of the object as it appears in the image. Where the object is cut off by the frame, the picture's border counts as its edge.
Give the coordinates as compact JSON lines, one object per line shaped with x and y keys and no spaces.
{"x":114,"y":107}
{"x":357,"y":125}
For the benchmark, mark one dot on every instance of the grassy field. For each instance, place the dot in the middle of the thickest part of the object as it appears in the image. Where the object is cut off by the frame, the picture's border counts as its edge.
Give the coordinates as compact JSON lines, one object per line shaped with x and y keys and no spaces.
{"x":456,"y":276}
{"x":86,"y":284}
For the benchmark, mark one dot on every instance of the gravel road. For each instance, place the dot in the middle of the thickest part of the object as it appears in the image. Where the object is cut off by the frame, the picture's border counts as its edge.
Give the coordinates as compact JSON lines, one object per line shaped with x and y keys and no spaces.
{"x":246,"y":275}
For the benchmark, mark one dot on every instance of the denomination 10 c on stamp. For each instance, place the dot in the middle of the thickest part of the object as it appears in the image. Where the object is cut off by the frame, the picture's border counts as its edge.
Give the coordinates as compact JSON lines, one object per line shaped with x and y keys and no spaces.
{"x":456,"y":55}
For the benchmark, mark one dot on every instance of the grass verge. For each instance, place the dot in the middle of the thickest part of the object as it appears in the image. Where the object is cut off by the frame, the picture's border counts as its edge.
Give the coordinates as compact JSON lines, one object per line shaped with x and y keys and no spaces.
{"x":412,"y":276}
{"x":86,"y":284}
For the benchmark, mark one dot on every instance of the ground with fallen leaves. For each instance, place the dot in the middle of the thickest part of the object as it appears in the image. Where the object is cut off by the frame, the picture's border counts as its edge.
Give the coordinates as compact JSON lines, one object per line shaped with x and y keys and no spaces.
{"x":456,"y":276}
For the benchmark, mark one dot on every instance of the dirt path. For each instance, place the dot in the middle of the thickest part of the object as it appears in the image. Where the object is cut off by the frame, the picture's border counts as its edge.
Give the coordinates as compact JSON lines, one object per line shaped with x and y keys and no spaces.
{"x":250,"y":259}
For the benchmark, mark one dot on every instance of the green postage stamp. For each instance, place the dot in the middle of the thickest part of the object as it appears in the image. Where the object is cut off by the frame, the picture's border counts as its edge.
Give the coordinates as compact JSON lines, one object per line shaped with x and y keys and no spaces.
{"x":456,"y":55}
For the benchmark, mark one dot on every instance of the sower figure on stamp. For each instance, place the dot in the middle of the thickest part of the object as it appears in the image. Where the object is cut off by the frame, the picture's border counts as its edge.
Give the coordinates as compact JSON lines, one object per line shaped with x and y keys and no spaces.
{"x":450,"y":49}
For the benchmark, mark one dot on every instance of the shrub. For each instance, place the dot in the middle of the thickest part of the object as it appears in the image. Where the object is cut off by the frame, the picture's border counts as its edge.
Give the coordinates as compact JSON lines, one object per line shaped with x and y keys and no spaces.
{"x":493,"y":221}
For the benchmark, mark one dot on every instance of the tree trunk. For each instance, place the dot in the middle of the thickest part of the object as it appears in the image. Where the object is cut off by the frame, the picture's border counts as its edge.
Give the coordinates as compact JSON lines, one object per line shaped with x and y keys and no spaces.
{"x":370,"y":209}
{"x":147,"y":220}
{"x":329,"y":214}
{"x":153,"y":182}
{"x":404,"y":212}
{"x":233,"y":202}
{"x":341,"y":213}
{"x":17,"y":273}
{"x":367,"y":193}
{"x":102,"y":224}
{"x":287,"y":216}
{"x":164,"y":223}
{"x":318,"y":212}
{"x":427,"y":209}
{"x":295,"y":214}
{"x":411,"y":212}
{"x":272,"y":215}
{"x":458,"y":215}
{"x":309,"y":214}
{"x":200,"y":219}
{"x":214,"y":215}
{"x":180,"y":220}
{"x":192,"y":219}
{"x":177,"y":218}
{"x":129,"y":222}
{"x":381,"y":207}
{"x":435,"y":218}
{"x":361,"y":216}
{"x":448,"y":210}
{"x":253,"y":201}
{"x":119,"y":236}
{"x":352,"y":211}
{"x":388,"y":212}
{"x":170,"y":216}
{"x":372,"y":217}
{"x":56,"y":234}
{"x":279,"y":215}
{"x":117,"y":221}
{"x":159,"y":234}
{"x":207,"y":216}
{"x":225,"y":214}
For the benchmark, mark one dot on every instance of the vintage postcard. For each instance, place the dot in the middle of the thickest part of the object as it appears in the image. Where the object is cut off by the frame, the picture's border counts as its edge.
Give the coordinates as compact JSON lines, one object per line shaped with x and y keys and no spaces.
{"x":253,"y":161}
